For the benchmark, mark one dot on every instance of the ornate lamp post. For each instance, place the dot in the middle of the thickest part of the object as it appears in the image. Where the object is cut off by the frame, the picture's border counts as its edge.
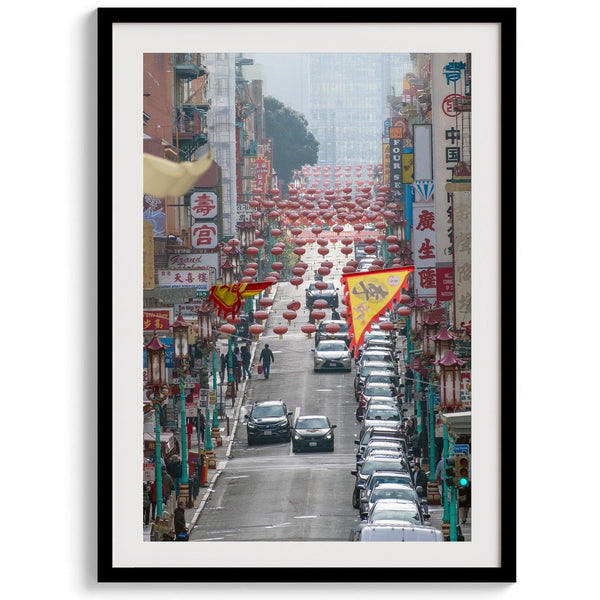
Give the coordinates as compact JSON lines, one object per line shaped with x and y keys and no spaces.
{"x":182,"y":367}
{"x":157,"y":391}
{"x":227,"y":272}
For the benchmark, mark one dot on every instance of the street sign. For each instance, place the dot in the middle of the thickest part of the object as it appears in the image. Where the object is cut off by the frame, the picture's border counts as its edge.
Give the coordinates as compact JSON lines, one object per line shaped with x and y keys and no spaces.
{"x":461,"y":449}
{"x":202,"y":293}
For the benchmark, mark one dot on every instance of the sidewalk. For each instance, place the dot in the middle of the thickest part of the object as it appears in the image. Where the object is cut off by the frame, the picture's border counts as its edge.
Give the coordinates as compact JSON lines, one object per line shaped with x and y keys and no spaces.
{"x":222,"y":453}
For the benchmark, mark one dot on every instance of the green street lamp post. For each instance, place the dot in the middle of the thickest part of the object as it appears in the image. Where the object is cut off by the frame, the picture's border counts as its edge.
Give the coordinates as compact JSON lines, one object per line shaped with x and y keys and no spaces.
{"x":157,"y":391}
{"x":182,"y":367}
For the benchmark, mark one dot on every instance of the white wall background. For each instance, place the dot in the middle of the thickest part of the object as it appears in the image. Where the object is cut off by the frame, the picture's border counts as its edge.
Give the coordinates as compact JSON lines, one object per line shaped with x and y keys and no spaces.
{"x":49,"y":440}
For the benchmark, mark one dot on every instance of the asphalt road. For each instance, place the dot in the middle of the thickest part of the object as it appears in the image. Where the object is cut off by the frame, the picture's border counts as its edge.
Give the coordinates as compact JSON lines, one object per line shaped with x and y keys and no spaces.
{"x":266,"y":492}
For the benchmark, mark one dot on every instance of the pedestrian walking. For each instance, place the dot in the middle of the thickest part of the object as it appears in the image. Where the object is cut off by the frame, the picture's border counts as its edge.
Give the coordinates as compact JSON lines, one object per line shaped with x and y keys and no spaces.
{"x":420,"y":479}
{"x":245,"y":353}
{"x":153,"y":497}
{"x":335,"y":315}
{"x":174,"y":469}
{"x":147,"y":503}
{"x":237,"y":355}
{"x":266,"y":358}
{"x":408,"y":384}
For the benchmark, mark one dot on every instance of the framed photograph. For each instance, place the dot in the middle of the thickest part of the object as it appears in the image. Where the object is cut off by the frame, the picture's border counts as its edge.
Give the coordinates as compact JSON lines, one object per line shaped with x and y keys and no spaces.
{"x":189,"y":157}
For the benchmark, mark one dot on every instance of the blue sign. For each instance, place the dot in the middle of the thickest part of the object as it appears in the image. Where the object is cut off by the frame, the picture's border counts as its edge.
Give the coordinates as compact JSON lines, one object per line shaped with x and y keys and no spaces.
{"x":461,"y":449}
{"x":386,"y":127}
{"x":436,"y":400}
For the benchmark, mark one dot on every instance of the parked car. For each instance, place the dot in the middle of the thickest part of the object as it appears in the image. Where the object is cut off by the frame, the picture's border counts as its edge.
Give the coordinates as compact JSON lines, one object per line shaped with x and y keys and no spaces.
{"x":387,"y":511}
{"x":380,"y":444}
{"x":376,"y":355}
{"x":394,"y":491}
{"x":380,"y":477}
{"x":268,"y":421}
{"x":342,"y":334}
{"x":377,"y":414}
{"x":365,"y":370}
{"x":332,"y":355}
{"x":379,"y":393}
{"x":372,"y":464}
{"x":381,"y":431}
{"x":313,"y":432}
{"x":329,"y":294}
{"x":396,"y":533}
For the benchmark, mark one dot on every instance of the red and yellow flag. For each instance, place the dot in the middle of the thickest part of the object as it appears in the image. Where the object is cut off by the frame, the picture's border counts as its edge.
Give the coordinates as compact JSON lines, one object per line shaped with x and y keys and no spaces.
{"x":370,"y":294}
{"x":228,"y":298}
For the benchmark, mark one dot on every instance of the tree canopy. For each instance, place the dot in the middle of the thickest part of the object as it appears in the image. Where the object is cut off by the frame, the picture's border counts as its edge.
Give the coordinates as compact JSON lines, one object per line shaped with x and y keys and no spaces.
{"x":293,"y":144}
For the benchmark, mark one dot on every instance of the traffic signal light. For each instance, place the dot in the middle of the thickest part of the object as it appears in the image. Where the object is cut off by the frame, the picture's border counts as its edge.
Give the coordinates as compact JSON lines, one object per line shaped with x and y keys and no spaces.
{"x":449,"y":471}
{"x":462,"y":471}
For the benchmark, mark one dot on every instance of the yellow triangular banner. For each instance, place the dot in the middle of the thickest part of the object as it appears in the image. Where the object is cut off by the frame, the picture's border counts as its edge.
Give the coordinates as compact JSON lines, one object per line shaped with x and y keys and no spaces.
{"x":368,"y":295}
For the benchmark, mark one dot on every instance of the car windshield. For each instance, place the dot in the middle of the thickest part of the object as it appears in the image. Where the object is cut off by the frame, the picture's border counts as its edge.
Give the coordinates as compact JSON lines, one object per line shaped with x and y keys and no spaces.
{"x":380,"y":379}
{"x":389,"y":479}
{"x":332,"y":346}
{"x":401,"y":493}
{"x":390,"y":514}
{"x":368,"y":368}
{"x":379,"y":390}
{"x":383,"y":414}
{"x":312,"y":423}
{"x":262,"y":412}
{"x":382,"y":464}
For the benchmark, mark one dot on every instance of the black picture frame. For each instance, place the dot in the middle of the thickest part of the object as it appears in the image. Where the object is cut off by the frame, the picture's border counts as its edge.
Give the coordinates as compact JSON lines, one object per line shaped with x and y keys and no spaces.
{"x":505,"y":18}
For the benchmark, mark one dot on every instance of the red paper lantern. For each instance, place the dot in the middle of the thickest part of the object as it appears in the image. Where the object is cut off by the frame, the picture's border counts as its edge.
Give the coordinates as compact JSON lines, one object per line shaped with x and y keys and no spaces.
{"x":323,"y":251}
{"x":347,"y":270}
{"x":386,"y":326}
{"x":393,"y":248}
{"x":318,"y":314}
{"x":320,"y":303}
{"x":275,"y":232}
{"x":296,"y":281}
{"x":256,"y":329}
{"x":299,"y":251}
{"x":321,"y":285}
{"x":403,"y":311}
{"x":253,"y":251}
{"x":280,"y":330}
{"x":345,"y":250}
{"x":259,"y":242}
{"x":261,"y":315}
{"x":370,"y":249}
{"x":228,"y":329}
{"x":332,"y":328}
{"x":289,"y":316}
{"x":277,"y":266}
{"x":266,"y":302}
{"x":323,"y":271}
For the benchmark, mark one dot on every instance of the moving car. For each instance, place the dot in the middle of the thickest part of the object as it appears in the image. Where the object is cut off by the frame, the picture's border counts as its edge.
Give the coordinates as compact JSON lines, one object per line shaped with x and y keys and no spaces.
{"x":332,"y":355}
{"x":268,"y":421}
{"x":329,"y":294}
{"x":313,"y":432}
{"x":342,"y":334}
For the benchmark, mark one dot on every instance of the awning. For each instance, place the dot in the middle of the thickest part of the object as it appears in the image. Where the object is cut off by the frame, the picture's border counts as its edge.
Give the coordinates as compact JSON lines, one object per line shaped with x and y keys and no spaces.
{"x":458,"y":423}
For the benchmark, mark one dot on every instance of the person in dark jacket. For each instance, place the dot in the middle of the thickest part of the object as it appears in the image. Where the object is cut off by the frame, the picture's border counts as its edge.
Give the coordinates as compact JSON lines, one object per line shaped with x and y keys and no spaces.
{"x":153,"y":498}
{"x":246,"y":362}
{"x":179,"y":522}
{"x":420,"y":478}
{"x":174,"y":470}
{"x":266,"y":358}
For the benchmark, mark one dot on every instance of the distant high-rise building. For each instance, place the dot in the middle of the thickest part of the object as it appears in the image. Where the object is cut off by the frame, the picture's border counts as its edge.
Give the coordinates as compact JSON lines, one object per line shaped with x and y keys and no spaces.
{"x":347,"y":103}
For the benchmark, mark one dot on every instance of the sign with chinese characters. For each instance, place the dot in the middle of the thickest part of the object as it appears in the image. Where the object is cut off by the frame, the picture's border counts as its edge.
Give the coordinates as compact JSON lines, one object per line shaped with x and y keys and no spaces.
{"x":204,"y":205}
{"x":448,"y":83}
{"x":158,"y":319}
{"x":261,"y":169}
{"x":424,"y":248}
{"x":196,"y":278}
{"x":205,"y":236}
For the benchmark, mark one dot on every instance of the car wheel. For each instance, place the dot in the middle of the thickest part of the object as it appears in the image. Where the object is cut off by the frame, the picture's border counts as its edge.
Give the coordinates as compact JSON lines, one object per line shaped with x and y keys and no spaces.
{"x":295,"y":448}
{"x":250,"y":442}
{"x":355,"y":499}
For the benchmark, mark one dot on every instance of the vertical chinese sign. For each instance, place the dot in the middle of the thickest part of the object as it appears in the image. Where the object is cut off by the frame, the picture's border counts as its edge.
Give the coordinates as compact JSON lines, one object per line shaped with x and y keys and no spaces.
{"x":261,"y":169}
{"x":424,"y":240}
{"x":449,"y":88}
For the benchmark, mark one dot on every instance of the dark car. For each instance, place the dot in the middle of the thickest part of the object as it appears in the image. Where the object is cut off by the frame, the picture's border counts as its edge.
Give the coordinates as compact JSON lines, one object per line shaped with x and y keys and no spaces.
{"x":378,"y":478}
{"x":380,"y":432}
{"x":313,"y":432}
{"x":372,"y":464}
{"x":268,"y":421}
{"x":396,"y":491}
{"x":329,"y":294}
{"x":342,"y":334}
